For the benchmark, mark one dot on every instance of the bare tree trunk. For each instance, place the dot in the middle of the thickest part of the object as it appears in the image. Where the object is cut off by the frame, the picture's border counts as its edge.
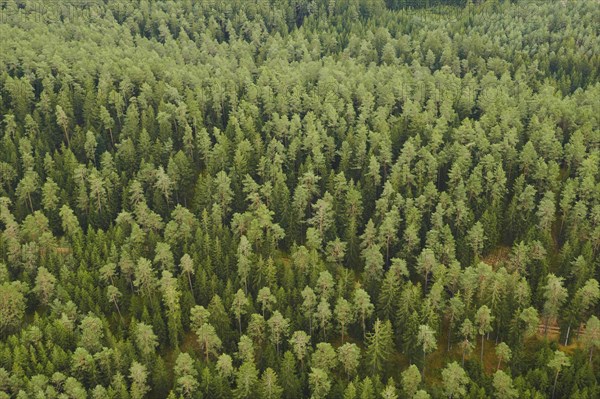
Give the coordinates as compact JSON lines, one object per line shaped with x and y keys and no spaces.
{"x":118,"y":310}
{"x":424,"y":364}
{"x":191,"y":289}
{"x":482,"y":338}
{"x":30,"y":203}
{"x":449,"y":333}
{"x":67,"y":137}
{"x":567,"y":337}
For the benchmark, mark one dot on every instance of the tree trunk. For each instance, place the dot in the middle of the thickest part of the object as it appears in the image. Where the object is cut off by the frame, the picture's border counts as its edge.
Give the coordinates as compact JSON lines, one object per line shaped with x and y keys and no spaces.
{"x":191,"y":289}
{"x":449,"y":332}
{"x":363,"y":325}
{"x":482,"y":338}
{"x":567,"y":337}
{"x":387,"y":253}
{"x":554,"y":386}
{"x":118,"y":310}
{"x":206,"y":350}
{"x":424,"y":364}
{"x":67,"y":137}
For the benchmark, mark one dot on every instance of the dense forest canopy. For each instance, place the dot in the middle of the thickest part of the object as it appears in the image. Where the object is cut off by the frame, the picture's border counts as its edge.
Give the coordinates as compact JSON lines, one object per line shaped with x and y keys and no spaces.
{"x":285,"y":199}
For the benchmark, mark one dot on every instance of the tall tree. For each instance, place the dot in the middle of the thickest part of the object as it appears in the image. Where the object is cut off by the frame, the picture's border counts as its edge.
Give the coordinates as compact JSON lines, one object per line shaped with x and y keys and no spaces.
{"x":554,"y":295}
{"x":380,"y":345}
{"x":344,"y":314}
{"x":591,"y":335}
{"x":426,"y":338}
{"x":483,"y":320}
{"x":503,"y":353}
{"x":278,"y":327}
{"x":558,"y":361}
{"x":239,"y":307}
{"x":363,"y":307}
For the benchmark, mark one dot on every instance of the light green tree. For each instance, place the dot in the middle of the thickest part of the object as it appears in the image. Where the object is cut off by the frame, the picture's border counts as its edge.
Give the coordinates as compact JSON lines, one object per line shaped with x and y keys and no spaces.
{"x":483,"y":320}
{"x":558,"y":361}
{"x":454,"y":380}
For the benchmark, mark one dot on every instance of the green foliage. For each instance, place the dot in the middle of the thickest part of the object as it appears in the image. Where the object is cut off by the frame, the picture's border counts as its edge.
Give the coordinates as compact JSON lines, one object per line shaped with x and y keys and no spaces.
{"x":282,"y":199}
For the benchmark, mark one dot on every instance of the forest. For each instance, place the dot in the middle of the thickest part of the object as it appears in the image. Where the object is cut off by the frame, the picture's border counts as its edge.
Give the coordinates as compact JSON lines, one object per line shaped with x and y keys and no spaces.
{"x":279,"y":199}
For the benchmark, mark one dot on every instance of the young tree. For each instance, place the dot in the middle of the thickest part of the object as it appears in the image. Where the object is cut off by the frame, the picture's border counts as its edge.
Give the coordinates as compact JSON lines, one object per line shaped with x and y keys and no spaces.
{"x":380,"y":345}
{"x":300,"y":342}
{"x":113,"y":294}
{"x":309,"y":305}
{"x":323,"y":315}
{"x":139,"y":376}
{"x":363,"y":307}
{"x":558,"y":361}
{"x":245,"y":349}
{"x":44,"y":285}
{"x":208,"y":339}
{"x":411,"y":379}
{"x":503,"y":353}
{"x":349,"y":357}
{"x":239,"y":307}
{"x":455,"y":310}
{"x":27,"y":186}
{"x":63,"y":121}
{"x":421,"y":394}
{"x":476,"y":238}
{"x":591,"y":335}
{"x":187,"y":267}
{"x":224,"y":366}
{"x":483,"y":320}
{"x":454,"y":380}
{"x":145,"y":279}
{"x":268,"y":386}
{"x":319,"y":383}
{"x":278,"y":326}
{"x":344,"y":314}
{"x":246,"y":379}
{"x":388,"y":231}
{"x":389,"y":392}
{"x":554,"y":295}
{"x":325,"y":286}
{"x":323,"y":215}
{"x":426,"y":338}
{"x":531,"y":320}
{"x":163,"y":184}
{"x":266,"y":299}
{"x":324,"y":357}
{"x":92,"y":333}
{"x":244,"y":265}
{"x":585,"y":299}
{"x":503,"y":386}
{"x":426,"y":263}
{"x":145,"y":340}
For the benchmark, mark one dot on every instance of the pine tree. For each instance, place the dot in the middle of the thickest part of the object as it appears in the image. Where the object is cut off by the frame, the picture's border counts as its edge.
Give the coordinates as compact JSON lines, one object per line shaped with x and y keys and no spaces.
{"x":380,"y":345}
